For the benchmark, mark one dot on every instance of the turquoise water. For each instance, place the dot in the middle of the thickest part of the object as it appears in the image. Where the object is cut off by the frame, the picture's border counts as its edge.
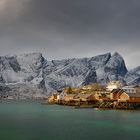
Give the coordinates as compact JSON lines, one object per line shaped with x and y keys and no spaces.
{"x":33,"y":121}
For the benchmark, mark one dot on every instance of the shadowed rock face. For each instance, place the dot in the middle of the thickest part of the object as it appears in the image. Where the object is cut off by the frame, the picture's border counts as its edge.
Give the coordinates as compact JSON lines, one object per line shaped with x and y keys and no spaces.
{"x":115,"y":69}
{"x":52,"y":75}
{"x":133,"y":76}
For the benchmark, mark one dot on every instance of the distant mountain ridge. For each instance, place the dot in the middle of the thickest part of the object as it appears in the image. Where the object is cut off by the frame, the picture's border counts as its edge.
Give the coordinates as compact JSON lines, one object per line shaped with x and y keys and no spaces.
{"x":33,"y":69}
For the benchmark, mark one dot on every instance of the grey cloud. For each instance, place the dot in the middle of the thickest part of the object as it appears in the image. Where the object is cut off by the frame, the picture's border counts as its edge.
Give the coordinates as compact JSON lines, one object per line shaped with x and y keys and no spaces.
{"x":78,"y":28}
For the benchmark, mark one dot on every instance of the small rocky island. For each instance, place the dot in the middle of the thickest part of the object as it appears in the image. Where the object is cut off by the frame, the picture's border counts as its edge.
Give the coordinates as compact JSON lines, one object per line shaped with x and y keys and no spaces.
{"x":114,"y":96}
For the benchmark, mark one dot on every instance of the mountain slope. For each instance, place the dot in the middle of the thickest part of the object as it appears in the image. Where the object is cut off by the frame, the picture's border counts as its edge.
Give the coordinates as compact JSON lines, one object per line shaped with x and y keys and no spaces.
{"x":35,"y":71}
{"x":21,"y":68}
{"x":133,"y":76}
{"x":77,"y":72}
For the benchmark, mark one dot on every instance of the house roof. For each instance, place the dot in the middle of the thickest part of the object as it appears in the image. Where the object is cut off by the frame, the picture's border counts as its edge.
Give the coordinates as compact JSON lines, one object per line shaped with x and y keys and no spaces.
{"x":71,"y":95}
{"x":83,"y":95}
{"x":116,"y":91}
{"x":103,"y":94}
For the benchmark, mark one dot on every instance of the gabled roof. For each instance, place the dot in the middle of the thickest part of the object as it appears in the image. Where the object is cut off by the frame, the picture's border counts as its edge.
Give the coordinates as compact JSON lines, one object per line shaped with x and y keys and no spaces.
{"x":83,"y":95}
{"x":116,"y":91}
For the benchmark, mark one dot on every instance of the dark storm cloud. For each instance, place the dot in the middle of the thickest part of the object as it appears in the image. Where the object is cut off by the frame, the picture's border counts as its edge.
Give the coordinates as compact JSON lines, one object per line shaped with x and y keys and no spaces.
{"x":76,"y":28}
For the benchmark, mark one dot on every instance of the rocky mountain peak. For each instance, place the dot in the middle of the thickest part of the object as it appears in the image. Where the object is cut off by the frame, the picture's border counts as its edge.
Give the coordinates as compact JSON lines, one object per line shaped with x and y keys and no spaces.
{"x":32,"y":68}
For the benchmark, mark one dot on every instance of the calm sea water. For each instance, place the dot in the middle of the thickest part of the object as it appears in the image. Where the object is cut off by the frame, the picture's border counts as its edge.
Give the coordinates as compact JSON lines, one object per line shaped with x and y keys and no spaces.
{"x":33,"y":121}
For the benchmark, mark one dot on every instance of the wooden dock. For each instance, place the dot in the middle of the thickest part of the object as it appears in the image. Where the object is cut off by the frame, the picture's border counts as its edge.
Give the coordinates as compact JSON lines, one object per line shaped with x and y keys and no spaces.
{"x":106,"y":104}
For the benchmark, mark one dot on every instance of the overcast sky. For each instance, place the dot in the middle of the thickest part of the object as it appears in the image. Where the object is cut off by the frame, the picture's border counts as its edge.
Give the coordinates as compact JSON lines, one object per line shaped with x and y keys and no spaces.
{"x":71,"y":28}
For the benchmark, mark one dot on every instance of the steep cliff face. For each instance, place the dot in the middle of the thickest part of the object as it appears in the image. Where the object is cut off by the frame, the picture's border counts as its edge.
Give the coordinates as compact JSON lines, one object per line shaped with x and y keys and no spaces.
{"x":21,"y":68}
{"x":116,"y":65}
{"x":8,"y":68}
{"x":133,"y":76}
{"x":46,"y":75}
{"x":114,"y":69}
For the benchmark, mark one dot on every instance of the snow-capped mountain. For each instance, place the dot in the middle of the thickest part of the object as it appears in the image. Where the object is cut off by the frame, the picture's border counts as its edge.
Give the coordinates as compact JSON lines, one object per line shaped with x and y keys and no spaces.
{"x":34,"y":70}
{"x":133,"y":76}
{"x":114,"y":69}
{"x":77,"y":72}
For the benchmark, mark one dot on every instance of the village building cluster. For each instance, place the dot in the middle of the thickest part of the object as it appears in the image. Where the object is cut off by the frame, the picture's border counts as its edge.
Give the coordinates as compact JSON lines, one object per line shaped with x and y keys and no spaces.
{"x":114,"y":95}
